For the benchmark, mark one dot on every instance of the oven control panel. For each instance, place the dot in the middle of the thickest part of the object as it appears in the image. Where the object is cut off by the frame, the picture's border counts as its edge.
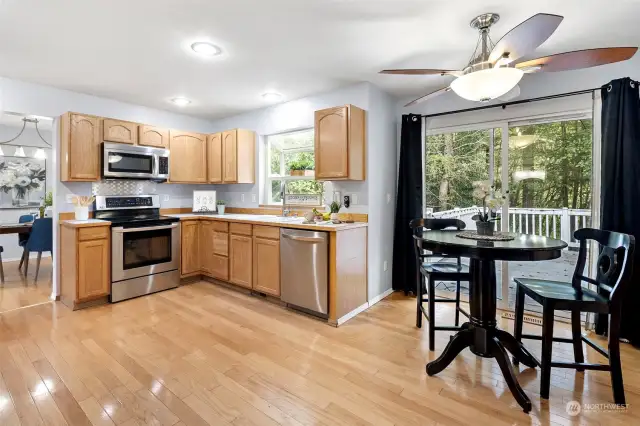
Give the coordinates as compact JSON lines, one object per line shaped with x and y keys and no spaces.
{"x":112,"y":202}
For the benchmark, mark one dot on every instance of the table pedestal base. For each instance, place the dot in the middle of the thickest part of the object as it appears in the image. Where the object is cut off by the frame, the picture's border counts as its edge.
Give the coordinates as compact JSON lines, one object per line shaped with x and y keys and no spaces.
{"x":482,"y":336}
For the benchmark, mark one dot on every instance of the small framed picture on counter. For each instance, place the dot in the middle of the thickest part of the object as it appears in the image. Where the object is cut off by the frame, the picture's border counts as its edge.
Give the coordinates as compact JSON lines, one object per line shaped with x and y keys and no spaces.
{"x":204,"y":201}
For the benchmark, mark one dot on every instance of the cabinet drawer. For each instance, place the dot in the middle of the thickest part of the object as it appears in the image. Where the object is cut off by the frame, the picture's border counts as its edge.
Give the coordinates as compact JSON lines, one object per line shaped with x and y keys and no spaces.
{"x":270,"y":232}
{"x":93,"y":233}
{"x":220,"y":226}
{"x":240,"y":228}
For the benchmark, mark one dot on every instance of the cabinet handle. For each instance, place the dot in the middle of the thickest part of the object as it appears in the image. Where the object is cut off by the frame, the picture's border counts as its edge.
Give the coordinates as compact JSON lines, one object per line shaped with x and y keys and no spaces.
{"x":304,"y":239}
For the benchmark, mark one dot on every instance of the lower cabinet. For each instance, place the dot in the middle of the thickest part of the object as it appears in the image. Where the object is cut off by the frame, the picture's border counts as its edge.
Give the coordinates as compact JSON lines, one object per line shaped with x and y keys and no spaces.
{"x":85,"y":264}
{"x":190,"y":247}
{"x":266,"y":266}
{"x":240,"y":260}
{"x":213,"y":251}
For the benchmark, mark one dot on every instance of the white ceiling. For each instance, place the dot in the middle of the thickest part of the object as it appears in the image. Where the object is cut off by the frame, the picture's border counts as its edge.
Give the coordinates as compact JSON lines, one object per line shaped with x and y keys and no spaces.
{"x":135,"y":50}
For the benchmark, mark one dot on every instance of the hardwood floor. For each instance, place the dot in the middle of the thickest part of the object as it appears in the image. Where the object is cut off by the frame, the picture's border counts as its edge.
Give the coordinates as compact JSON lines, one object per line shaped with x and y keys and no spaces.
{"x":202,"y":354}
{"x":19,"y":291}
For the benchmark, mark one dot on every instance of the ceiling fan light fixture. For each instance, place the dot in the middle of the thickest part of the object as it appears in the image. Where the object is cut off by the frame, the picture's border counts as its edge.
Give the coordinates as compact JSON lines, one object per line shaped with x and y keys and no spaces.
{"x":485,"y":85}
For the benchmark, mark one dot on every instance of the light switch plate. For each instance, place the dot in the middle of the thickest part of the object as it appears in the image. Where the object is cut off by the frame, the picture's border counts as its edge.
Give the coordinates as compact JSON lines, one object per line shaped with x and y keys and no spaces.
{"x":385,"y":265}
{"x":69,"y":198}
{"x":166,"y":198}
{"x":254,"y":198}
{"x":388,"y":198}
{"x":242,"y":198}
{"x":354,"y":199}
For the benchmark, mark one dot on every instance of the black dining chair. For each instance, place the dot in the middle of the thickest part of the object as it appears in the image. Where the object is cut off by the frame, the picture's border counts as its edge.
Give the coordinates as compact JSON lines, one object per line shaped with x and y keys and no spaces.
{"x":434,"y":267}
{"x":614,"y":265}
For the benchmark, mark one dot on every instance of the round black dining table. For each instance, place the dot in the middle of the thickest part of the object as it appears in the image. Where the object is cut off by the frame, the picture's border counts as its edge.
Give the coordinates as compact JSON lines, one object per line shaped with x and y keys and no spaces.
{"x":481,"y":334}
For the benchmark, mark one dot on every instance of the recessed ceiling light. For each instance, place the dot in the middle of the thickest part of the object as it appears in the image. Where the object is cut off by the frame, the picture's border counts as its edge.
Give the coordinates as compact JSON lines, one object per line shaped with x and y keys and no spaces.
{"x":271,"y":96}
{"x":205,"y":48}
{"x":180,"y":101}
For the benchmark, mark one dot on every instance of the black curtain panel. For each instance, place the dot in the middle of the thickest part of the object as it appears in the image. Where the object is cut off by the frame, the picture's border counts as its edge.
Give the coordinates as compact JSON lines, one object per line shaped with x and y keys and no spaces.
{"x":409,"y":202}
{"x":620,"y":200}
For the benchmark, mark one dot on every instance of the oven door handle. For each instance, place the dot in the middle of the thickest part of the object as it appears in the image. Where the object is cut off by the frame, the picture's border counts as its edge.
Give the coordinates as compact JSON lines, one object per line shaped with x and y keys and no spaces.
{"x":122,"y":230}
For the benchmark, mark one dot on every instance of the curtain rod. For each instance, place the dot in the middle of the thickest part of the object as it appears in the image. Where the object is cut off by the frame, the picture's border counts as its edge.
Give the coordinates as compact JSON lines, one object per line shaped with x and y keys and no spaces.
{"x":506,"y":104}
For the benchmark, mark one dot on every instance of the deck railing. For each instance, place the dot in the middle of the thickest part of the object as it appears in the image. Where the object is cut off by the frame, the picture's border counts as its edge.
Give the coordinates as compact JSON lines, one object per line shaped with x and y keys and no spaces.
{"x":554,"y":223}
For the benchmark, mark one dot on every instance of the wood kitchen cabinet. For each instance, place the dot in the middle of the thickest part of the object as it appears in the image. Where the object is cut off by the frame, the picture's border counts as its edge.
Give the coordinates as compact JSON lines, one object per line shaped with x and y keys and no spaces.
{"x":85,"y":264}
{"x":79,"y":147}
{"x":240,"y":260}
{"x":340,"y":143}
{"x":190,"y":247}
{"x":155,"y":137}
{"x":214,"y":158}
{"x":214,"y":250}
{"x":188,"y":161}
{"x":119,"y":131}
{"x":266,"y":265}
{"x":238,"y":156}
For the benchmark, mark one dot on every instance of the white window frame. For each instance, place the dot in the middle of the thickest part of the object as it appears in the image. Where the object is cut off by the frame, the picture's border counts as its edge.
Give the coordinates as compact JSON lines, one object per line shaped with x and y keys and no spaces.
{"x":269,"y":177}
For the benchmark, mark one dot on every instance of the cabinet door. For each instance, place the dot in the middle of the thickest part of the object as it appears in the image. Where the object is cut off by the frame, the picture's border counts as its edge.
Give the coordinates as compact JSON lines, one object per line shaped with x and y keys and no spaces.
{"x":188,"y":157}
{"x":331,"y":143}
{"x":219,"y":267}
{"x":220,"y":243}
{"x":93,"y":269}
{"x":156,"y":137}
{"x":240,"y":260}
{"x":119,"y":131}
{"x":266,"y":266}
{"x":190,"y":261}
{"x":84,"y":148}
{"x":229,"y":156}
{"x":205,"y":246}
{"x":214,"y":158}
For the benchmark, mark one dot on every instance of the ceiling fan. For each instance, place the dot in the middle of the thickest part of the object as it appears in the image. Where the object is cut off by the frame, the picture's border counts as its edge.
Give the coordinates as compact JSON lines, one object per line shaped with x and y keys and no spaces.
{"x":491,"y":74}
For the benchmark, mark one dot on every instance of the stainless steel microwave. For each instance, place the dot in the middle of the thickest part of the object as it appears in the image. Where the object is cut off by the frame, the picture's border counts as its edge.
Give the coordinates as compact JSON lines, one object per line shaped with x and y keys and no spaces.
{"x":120,"y":161}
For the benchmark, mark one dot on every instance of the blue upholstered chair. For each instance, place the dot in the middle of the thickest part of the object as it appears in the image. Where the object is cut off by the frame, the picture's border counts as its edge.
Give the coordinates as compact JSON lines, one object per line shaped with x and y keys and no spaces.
{"x":23,"y":237}
{"x":40,"y":239}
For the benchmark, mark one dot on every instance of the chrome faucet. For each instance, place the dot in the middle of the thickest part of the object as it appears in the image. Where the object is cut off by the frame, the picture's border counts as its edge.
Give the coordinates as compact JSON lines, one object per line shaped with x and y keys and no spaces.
{"x":283,"y":190}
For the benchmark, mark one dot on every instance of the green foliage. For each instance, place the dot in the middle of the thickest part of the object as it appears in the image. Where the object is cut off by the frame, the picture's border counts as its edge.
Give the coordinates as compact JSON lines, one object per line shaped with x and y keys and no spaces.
{"x":302,"y":164}
{"x":335,"y":207}
{"x":454,"y":161}
{"x":221,"y":202}
{"x":47,"y":201}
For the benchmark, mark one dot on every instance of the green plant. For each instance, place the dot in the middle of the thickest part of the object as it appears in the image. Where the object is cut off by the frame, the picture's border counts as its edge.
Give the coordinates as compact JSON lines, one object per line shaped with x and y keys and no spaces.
{"x":335,"y":207}
{"x":221,"y":202}
{"x":301,"y":164}
{"x":47,"y":201}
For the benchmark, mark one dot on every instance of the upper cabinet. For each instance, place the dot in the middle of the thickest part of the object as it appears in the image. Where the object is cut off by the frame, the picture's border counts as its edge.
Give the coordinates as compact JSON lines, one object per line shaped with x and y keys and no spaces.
{"x":188,"y":157}
{"x":155,"y":137}
{"x":238,"y":156}
{"x":214,"y":158}
{"x":119,"y":131}
{"x":79,"y":147}
{"x":340,"y":143}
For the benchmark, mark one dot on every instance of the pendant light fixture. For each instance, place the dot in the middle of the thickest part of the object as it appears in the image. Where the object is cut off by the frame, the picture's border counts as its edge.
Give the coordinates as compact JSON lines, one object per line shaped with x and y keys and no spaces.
{"x":1,"y":152}
{"x":39,"y":154}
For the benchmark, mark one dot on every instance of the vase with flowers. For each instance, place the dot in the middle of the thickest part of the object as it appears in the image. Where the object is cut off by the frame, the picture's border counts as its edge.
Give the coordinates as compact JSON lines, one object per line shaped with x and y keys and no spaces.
{"x":491,"y":200}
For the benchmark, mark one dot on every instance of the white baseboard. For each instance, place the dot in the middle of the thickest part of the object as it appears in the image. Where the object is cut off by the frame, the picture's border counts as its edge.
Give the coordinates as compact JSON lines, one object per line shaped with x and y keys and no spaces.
{"x":380,"y":297}
{"x":353,"y":313}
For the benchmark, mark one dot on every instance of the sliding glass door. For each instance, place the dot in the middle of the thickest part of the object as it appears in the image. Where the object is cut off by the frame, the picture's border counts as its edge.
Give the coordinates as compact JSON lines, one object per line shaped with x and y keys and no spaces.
{"x":544,"y":165}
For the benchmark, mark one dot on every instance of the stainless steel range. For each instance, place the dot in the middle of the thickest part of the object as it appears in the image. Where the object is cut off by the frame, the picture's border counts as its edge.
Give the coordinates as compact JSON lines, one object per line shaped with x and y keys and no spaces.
{"x":145,"y":246}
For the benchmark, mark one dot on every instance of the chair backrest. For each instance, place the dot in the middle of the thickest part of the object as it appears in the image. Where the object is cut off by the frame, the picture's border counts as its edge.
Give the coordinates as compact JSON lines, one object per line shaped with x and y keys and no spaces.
{"x":437,"y":224}
{"x":615,"y":262}
{"x":25,"y":218}
{"x":41,"y":237}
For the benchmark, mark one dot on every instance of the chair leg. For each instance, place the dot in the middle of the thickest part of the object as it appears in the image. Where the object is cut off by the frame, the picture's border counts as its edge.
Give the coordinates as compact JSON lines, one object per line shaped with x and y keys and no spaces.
{"x":519,"y":319}
{"x":576,"y":332}
{"x":26,"y":262}
{"x":547,"y":342}
{"x":24,"y":250}
{"x":432,"y":314}
{"x":419,"y":300}
{"x":35,"y":280}
{"x":614,"y":358}
{"x":458,"y":303}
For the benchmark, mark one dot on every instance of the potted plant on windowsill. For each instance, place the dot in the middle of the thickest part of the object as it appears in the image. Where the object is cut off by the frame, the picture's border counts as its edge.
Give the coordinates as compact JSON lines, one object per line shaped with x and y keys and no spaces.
{"x":491,"y":200}
{"x":220,"y":206}
{"x":301,"y":168}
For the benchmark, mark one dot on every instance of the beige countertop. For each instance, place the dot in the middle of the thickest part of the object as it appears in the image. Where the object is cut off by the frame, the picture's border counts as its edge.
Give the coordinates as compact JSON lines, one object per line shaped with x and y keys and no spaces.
{"x":268,"y":220}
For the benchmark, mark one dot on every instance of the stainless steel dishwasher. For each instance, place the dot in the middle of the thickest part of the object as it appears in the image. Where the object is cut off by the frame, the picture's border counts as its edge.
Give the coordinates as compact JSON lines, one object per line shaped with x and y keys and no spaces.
{"x":304,"y":270}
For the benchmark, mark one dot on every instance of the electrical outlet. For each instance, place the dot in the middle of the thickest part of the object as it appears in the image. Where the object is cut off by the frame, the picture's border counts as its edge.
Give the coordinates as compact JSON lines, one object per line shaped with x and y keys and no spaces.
{"x":166,"y":198}
{"x":69,"y":198}
{"x":388,"y":198}
{"x":254,"y":198}
{"x":242,"y":198}
{"x":385,"y":266}
{"x":354,"y":199}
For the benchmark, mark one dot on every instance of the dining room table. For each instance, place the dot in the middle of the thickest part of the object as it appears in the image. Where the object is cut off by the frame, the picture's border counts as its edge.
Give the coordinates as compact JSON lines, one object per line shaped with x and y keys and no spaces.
{"x":15,"y":228}
{"x":481,"y":333}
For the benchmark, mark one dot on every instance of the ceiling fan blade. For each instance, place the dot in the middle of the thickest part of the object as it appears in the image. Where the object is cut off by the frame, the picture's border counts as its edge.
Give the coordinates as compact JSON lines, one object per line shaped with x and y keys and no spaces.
{"x":511,"y":94}
{"x":422,"y":72}
{"x":578,"y":59}
{"x":525,"y":38}
{"x":429,"y":96}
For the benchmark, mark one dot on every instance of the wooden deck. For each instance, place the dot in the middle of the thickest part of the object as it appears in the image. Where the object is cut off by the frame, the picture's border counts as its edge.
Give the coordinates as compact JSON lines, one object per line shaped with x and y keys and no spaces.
{"x":202,"y":354}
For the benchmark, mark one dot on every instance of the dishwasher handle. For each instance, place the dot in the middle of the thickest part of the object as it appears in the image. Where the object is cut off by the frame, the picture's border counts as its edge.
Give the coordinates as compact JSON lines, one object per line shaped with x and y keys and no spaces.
{"x":303,"y":239}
